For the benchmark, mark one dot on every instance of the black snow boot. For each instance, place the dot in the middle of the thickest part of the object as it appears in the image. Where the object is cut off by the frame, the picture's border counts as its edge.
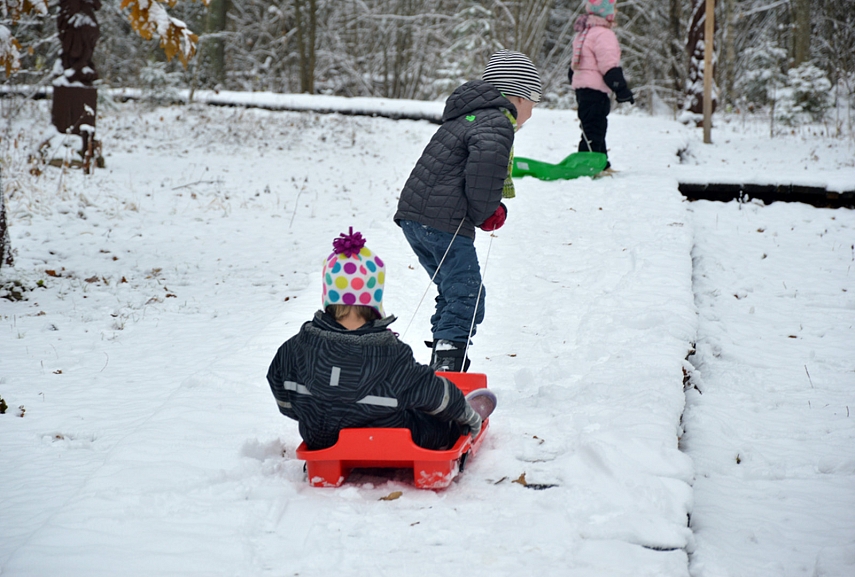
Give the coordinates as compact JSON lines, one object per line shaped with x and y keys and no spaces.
{"x":449,"y":356}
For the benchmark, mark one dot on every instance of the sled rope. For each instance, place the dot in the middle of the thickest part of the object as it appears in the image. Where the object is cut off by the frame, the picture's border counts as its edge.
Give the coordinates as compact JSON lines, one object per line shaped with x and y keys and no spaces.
{"x":436,"y":272}
{"x":585,"y":136}
{"x":478,"y":300}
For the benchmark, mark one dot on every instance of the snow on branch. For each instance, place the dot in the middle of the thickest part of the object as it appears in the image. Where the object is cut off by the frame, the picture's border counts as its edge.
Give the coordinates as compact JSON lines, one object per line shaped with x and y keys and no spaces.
{"x":9,"y":51}
{"x":12,"y":11}
{"x":766,"y":8}
{"x":150,"y":19}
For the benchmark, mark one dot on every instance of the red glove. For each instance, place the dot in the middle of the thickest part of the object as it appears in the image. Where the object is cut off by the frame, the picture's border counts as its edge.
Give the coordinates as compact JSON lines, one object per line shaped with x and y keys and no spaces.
{"x":495,"y":220}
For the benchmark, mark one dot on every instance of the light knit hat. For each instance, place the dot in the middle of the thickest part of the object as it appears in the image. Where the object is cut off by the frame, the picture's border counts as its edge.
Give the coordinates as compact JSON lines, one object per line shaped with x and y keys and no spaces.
{"x":513,"y":74}
{"x":602,"y":8}
{"x":353,"y":275}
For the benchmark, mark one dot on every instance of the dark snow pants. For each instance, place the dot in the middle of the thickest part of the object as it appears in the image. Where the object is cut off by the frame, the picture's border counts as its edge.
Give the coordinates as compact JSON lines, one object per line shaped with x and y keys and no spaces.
{"x":594,"y":107}
{"x":428,"y":431}
{"x":458,"y":280}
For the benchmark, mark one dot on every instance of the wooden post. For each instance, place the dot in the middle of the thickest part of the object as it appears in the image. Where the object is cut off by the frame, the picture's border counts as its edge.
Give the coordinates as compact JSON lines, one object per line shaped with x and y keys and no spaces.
{"x":73,"y":106}
{"x":709,"y":32}
{"x":75,"y":99}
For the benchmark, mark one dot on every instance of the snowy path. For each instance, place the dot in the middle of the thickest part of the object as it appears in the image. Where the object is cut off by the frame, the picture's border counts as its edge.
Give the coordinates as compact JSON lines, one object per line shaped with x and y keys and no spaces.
{"x":150,"y":433}
{"x":769,"y":419}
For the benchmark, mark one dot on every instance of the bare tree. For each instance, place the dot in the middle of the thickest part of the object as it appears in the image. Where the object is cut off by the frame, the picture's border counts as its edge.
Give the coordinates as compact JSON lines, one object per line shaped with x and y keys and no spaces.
{"x":530,"y":18}
{"x":305,"y":16}
{"x":801,"y":31}
{"x":677,"y":64}
{"x":5,"y":250}
{"x":423,"y":49}
{"x":391,"y":48}
{"x":214,"y":53}
{"x":653,"y":42}
{"x":726,"y":53}
{"x":695,"y":48}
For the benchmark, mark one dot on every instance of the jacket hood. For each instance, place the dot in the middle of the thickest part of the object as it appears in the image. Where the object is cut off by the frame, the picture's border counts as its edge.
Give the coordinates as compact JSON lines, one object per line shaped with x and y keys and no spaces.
{"x":343,"y":365}
{"x":472,"y":96}
{"x":325,"y":321}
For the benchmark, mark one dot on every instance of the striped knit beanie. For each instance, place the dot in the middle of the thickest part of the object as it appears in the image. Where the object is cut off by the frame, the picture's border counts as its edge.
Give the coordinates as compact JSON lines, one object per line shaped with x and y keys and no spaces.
{"x":513,"y":74}
{"x":602,"y":8}
{"x":353,"y":275}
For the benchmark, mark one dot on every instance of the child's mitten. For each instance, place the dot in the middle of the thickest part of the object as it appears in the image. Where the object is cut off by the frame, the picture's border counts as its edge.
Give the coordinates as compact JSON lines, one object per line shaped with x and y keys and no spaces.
{"x":625,"y":95}
{"x":617,"y":83}
{"x":495,"y":220}
{"x":470,"y":420}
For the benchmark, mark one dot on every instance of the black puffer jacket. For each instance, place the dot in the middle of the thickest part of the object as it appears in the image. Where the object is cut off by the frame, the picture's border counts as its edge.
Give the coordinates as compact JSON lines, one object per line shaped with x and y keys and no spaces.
{"x":461,"y":172}
{"x":329,"y":378}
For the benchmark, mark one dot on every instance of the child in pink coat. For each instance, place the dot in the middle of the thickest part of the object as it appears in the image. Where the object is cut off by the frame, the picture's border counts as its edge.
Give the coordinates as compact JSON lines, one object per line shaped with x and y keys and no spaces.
{"x":595,"y":71}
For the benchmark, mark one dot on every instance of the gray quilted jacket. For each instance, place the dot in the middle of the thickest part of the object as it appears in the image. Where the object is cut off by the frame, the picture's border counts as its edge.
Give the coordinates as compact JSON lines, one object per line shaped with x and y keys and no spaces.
{"x":329,"y":378}
{"x":461,"y":172}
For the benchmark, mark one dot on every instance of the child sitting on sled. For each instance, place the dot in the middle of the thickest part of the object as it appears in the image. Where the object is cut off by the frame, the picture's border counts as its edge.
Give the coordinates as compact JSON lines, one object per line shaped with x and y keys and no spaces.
{"x":346,"y":369}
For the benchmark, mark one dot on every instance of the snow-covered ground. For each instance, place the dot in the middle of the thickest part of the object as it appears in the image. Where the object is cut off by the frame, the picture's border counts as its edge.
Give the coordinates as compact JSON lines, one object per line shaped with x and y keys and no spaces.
{"x":158,"y":289}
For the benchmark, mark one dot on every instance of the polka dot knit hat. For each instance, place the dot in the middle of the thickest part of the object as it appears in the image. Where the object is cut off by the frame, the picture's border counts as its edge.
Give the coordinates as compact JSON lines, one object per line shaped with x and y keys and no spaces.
{"x":602,"y":8}
{"x":353,"y":275}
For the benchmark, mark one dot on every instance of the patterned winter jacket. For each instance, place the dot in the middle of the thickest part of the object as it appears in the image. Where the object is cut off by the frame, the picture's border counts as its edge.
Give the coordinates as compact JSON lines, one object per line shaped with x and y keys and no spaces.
{"x":329,"y":378}
{"x":461,"y":171}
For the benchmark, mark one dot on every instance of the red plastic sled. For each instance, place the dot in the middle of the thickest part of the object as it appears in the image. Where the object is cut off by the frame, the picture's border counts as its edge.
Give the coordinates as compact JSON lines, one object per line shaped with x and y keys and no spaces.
{"x":394,"y":448}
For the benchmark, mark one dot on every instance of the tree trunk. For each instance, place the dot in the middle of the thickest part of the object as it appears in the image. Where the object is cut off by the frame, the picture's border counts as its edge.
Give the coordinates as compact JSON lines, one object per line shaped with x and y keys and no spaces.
{"x":695,"y":49}
{"x":678,"y":60}
{"x":709,"y":55}
{"x":728,"y":63}
{"x":215,"y":48}
{"x":5,"y":249}
{"x":801,"y":32}
{"x":305,"y":14}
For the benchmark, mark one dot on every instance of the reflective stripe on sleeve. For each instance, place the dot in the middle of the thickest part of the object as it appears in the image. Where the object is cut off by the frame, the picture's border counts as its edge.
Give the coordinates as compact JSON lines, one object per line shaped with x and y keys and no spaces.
{"x":296,"y":387}
{"x":381,"y":401}
{"x":446,"y":398}
{"x":368,"y":400}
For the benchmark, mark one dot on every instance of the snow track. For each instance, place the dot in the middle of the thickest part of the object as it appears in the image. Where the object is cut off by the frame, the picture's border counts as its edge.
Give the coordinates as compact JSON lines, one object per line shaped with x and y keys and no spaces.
{"x":768,"y":418}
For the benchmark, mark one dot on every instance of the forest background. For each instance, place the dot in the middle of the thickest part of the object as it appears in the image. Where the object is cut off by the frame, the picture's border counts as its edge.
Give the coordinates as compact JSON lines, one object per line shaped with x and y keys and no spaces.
{"x":792,"y":58}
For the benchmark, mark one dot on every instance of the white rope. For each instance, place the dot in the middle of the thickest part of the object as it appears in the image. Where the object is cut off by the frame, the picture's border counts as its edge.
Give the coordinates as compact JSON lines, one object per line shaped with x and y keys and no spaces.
{"x":585,"y":136}
{"x":424,"y":294}
{"x":478,"y":300}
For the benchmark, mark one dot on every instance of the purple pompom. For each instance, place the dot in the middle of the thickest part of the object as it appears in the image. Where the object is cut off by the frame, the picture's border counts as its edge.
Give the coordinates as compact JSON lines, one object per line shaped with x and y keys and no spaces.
{"x":348,"y":244}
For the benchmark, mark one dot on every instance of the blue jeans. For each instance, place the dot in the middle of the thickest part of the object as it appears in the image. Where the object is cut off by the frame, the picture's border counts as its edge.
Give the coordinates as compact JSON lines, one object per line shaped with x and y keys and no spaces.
{"x":458,"y":280}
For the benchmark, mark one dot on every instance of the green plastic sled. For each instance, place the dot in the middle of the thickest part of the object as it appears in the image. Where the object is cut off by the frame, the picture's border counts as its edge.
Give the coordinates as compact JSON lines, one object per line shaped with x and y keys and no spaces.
{"x":576,"y":165}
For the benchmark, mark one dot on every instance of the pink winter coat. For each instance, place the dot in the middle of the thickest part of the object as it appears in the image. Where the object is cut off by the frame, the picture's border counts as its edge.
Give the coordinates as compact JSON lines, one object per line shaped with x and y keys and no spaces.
{"x":600,"y":53}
